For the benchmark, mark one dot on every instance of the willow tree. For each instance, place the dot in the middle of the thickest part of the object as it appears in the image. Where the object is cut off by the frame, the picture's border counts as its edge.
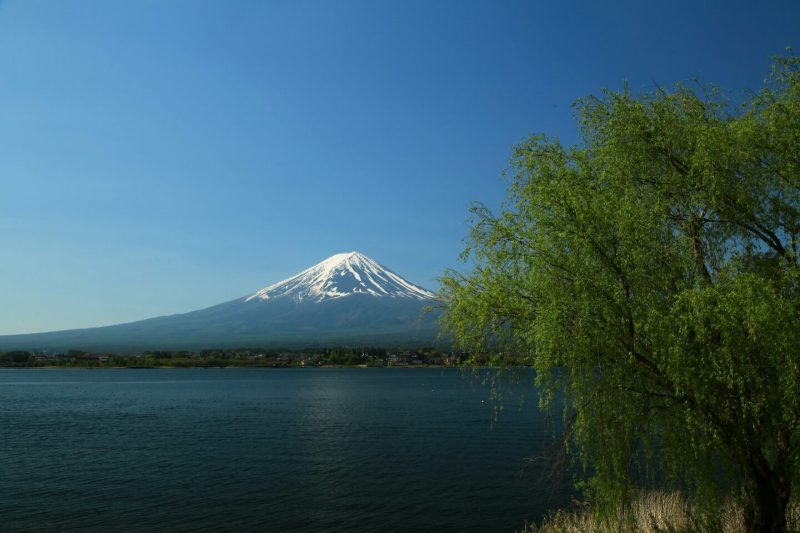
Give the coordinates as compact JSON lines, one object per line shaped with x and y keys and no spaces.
{"x":651,"y":273}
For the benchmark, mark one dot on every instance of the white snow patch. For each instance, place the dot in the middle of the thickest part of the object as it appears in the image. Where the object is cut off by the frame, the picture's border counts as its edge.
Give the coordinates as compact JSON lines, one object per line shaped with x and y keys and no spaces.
{"x":330,"y":279}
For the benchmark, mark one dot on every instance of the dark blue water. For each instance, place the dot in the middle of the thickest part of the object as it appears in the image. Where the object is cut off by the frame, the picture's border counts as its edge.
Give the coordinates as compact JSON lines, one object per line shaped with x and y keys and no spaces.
{"x":266,"y":450}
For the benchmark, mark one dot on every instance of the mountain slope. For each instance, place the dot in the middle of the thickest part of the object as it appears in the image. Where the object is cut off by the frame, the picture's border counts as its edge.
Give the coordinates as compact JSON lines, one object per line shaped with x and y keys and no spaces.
{"x":343,"y":275}
{"x":345,"y":299}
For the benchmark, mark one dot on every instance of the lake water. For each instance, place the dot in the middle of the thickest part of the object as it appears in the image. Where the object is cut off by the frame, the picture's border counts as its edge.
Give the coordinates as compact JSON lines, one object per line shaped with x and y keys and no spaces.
{"x":266,"y":450}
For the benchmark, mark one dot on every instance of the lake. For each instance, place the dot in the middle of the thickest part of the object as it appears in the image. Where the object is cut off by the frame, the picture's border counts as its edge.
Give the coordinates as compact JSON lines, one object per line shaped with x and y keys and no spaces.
{"x":268,"y":450}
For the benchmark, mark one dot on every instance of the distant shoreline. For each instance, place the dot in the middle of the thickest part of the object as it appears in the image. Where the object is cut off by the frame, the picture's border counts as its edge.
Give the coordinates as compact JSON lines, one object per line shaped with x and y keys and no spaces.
{"x":325,"y":357}
{"x":184,"y":367}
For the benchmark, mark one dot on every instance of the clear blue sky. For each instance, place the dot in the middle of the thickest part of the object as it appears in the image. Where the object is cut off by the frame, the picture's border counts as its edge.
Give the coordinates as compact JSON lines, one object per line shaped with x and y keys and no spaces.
{"x":162,"y":156}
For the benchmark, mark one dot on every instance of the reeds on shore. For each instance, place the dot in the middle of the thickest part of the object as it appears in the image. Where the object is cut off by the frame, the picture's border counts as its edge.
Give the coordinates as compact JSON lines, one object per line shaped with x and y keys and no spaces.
{"x":654,"y":512}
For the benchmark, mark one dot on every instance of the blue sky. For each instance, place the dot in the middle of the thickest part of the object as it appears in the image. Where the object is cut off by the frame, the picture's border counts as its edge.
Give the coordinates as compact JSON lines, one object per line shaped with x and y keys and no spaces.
{"x":162,"y":156}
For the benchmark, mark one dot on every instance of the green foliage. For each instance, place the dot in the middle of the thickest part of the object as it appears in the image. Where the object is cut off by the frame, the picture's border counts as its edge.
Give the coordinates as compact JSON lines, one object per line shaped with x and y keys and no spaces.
{"x":17,"y":356}
{"x":652,"y":274}
{"x":372,"y":356}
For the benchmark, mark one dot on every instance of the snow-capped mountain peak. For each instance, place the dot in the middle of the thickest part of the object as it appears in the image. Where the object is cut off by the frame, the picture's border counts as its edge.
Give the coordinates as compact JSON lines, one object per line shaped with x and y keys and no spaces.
{"x":343,"y":275}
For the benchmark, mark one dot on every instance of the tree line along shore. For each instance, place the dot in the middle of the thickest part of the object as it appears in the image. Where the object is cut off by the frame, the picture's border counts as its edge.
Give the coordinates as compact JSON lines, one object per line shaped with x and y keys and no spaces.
{"x":368,"y":356}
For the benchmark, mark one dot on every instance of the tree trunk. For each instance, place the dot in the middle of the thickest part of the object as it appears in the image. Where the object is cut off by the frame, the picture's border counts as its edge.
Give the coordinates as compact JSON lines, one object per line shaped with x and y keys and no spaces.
{"x":766,"y":498}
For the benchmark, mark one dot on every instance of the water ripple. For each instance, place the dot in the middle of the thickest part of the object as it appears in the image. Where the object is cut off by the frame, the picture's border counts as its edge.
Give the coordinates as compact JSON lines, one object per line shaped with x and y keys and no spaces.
{"x":266,"y":450}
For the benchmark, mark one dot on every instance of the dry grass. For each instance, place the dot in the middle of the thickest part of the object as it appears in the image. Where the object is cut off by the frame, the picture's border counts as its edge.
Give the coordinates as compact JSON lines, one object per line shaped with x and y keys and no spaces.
{"x":653,"y":512}
{"x":661,"y":511}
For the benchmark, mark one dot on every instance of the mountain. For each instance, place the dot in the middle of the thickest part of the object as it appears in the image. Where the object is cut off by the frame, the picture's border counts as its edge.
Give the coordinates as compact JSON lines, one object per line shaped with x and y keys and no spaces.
{"x":345,"y":299}
{"x":340,"y":276}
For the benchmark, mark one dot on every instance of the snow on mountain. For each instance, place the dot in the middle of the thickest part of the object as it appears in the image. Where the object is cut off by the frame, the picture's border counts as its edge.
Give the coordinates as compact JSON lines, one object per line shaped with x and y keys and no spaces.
{"x":339,"y":276}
